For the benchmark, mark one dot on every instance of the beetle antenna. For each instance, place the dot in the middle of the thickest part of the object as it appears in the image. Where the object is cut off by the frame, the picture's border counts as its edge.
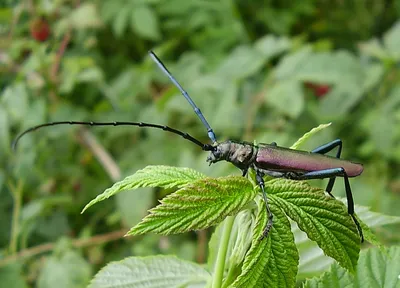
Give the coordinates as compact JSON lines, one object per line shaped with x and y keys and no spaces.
{"x":196,"y":109}
{"x":205,"y":147}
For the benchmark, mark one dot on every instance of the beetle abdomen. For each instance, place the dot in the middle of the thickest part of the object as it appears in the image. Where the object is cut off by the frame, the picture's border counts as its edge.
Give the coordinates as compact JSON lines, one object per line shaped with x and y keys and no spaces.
{"x":279,"y":158}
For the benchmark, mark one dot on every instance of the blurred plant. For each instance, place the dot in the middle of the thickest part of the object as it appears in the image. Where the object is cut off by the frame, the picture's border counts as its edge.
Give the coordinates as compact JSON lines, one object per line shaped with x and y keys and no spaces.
{"x":248,"y":82}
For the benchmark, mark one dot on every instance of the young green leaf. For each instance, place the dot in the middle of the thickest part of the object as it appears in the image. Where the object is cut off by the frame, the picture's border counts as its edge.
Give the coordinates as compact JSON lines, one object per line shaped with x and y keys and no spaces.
{"x":271,"y":262}
{"x":324,"y":219}
{"x":151,"y":176}
{"x":241,"y":236}
{"x":154,"y":271}
{"x":308,"y":135}
{"x":198,"y":205}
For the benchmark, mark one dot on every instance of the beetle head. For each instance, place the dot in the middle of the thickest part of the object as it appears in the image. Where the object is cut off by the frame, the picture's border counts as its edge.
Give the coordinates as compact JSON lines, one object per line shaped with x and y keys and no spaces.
{"x":219,"y":152}
{"x":239,"y":154}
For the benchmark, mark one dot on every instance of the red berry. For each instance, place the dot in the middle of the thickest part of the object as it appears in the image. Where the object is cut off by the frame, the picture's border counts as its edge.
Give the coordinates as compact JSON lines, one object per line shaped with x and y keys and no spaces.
{"x":319,"y":89}
{"x":40,"y":29}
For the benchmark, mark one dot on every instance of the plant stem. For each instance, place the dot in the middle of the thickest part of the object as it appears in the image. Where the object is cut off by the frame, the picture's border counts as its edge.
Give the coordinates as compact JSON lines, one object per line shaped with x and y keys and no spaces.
{"x":231,"y":275}
{"x":77,"y":243}
{"x":16,"y":192}
{"x":223,"y":247}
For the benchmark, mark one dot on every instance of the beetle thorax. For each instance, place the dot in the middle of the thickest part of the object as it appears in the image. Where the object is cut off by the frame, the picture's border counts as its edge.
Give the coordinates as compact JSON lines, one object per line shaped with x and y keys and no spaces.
{"x":239,"y":154}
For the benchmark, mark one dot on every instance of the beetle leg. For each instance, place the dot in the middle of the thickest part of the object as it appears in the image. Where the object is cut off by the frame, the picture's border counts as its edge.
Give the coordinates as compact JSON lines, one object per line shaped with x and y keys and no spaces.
{"x":274,"y":174}
{"x":260,"y":182}
{"x":325,"y":149}
{"x":244,"y":171}
{"x":334,"y":172}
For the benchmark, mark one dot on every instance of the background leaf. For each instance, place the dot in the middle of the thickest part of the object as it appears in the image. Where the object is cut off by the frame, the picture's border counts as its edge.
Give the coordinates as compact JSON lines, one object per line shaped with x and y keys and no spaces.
{"x":376,"y":268}
{"x":145,"y":22}
{"x":336,"y":277}
{"x":287,"y":97}
{"x":92,"y":64}
{"x":10,"y":276}
{"x":146,"y":271}
{"x":391,"y":41}
{"x":66,"y":270}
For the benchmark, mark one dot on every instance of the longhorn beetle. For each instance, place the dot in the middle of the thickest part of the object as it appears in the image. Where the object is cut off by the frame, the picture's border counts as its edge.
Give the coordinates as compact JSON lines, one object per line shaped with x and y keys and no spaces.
{"x":264,"y":159}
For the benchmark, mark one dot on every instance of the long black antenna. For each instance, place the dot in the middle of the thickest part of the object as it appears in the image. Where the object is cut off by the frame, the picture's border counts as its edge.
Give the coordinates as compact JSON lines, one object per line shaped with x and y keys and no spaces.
{"x":196,"y":109}
{"x":206,"y":147}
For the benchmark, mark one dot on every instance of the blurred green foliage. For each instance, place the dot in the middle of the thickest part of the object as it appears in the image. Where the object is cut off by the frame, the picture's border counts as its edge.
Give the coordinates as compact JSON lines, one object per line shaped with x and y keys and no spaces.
{"x":259,"y":70}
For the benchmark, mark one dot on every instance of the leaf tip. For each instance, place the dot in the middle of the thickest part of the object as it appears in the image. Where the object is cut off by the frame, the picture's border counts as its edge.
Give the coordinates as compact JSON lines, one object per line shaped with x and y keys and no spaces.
{"x":85,"y":208}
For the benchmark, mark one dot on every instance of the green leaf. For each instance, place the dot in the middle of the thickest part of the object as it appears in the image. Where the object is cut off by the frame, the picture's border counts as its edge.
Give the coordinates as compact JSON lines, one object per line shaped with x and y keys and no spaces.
{"x":121,"y":21}
{"x":240,"y":240}
{"x":85,"y":16}
{"x":241,"y":236}
{"x":336,"y":277}
{"x":271,"y":46}
{"x":312,"y":259}
{"x":15,"y":100}
{"x":379,"y":268}
{"x":309,"y":134}
{"x":320,"y":68}
{"x":109,"y":10}
{"x":271,"y":262}
{"x":292,"y":62}
{"x":92,"y":74}
{"x":374,"y":219}
{"x":392,"y":41}
{"x":324,"y":219}
{"x":199,"y":205}
{"x":373,"y":48}
{"x":151,"y":176}
{"x":286,"y":96}
{"x":247,"y":58}
{"x":374,"y":73}
{"x":330,"y":68}
{"x":341,"y":99}
{"x":145,"y":22}
{"x":4,"y":133}
{"x":11,"y":276}
{"x":382,"y":123}
{"x":154,"y":271}
{"x":66,"y":270}
{"x":376,"y":268}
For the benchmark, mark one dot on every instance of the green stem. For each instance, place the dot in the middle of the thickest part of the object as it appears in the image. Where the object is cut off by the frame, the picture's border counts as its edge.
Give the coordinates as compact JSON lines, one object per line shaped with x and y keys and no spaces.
{"x":232,"y":272}
{"x":223,"y":247}
{"x":17,"y":194}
